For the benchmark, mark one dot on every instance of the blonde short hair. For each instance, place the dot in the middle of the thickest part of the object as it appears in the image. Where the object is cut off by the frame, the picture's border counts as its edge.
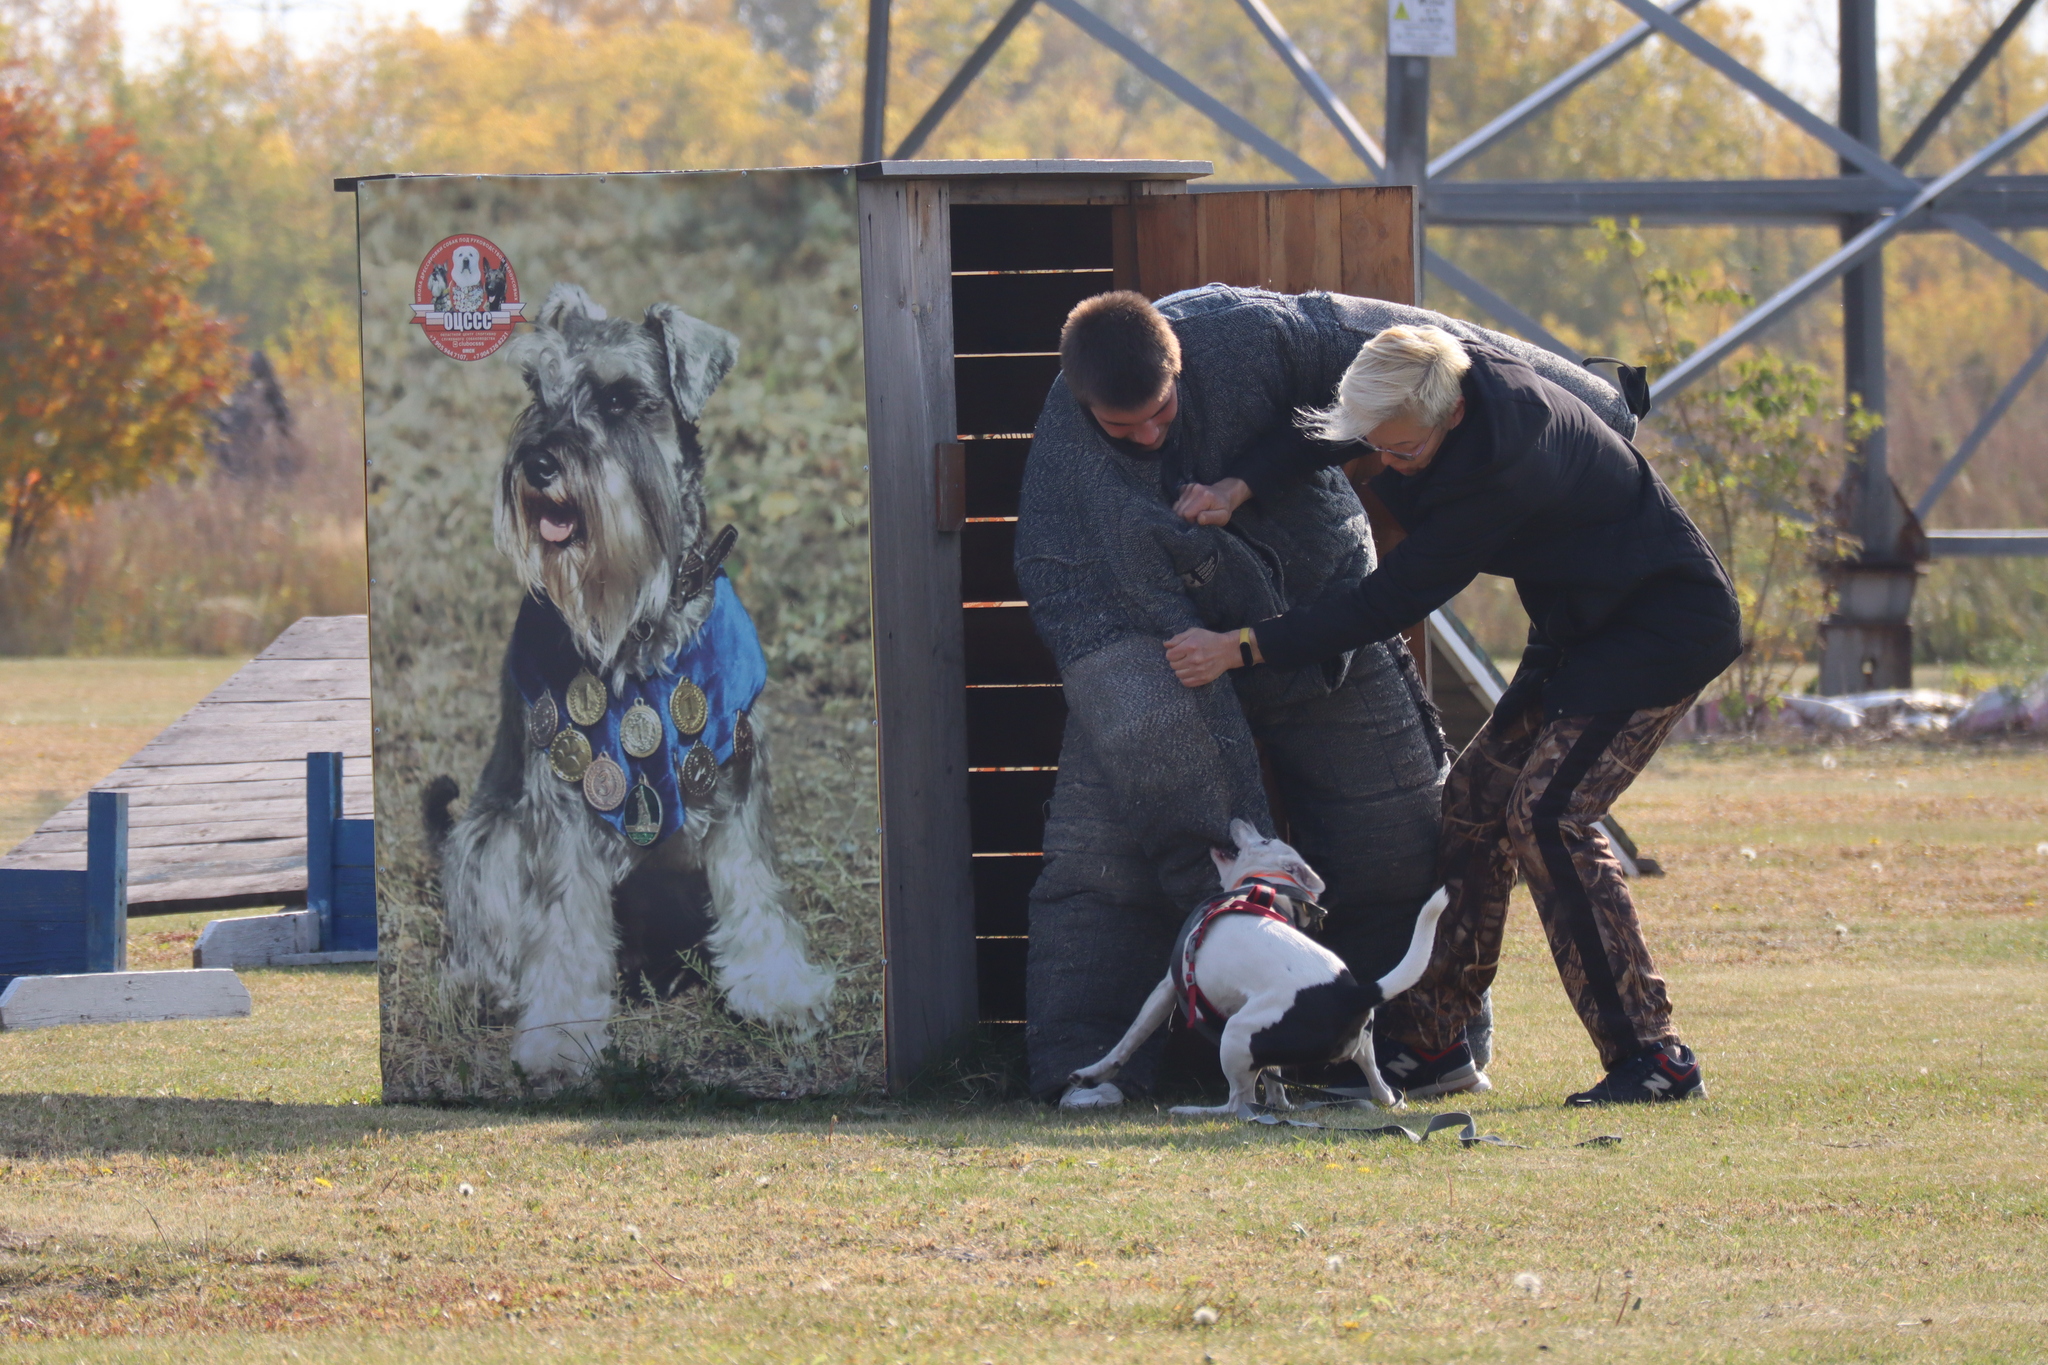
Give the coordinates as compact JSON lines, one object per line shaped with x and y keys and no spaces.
{"x":1409,"y":372}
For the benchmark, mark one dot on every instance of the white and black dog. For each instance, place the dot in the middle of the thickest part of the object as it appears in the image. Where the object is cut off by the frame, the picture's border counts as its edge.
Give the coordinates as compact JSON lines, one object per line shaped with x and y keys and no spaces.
{"x":1288,"y":1001}
{"x":623,"y":816}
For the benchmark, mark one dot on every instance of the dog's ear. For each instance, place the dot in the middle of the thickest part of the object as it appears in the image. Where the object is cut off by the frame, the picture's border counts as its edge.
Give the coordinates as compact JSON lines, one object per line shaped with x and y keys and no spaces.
{"x":699,"y":356}
{"x":1244,"y":835}
{"x":1224,"y":862}
{"x":569,"y":301}
{"x":1306,"y":875}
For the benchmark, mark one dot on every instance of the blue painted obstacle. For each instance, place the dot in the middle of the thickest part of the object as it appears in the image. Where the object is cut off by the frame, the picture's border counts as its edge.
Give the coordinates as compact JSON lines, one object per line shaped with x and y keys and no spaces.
{"x":62,"y":923}
{"x":341,"y":863}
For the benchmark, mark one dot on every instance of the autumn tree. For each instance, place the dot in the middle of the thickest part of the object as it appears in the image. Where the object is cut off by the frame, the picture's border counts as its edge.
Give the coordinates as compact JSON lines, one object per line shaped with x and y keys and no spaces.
{"x":110,"y":373}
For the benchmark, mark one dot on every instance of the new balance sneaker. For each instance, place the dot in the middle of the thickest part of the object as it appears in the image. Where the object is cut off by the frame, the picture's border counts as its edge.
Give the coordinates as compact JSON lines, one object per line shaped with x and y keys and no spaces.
{"x":1420,"y":1075}
{"x":1662,"y":1073}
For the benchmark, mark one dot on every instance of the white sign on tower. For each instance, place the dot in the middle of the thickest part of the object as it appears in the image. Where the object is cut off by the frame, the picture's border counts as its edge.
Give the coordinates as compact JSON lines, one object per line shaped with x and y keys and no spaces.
{"x":1422,"y":28}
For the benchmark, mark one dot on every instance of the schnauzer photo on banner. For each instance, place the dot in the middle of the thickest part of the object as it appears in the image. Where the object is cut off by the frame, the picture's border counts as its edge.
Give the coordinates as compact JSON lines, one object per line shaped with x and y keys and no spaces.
{"x":620,"y":644}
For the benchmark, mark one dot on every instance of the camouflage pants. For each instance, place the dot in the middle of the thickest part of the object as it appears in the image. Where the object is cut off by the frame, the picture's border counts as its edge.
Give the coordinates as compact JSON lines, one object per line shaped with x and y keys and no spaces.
{"x":1524,"y":797}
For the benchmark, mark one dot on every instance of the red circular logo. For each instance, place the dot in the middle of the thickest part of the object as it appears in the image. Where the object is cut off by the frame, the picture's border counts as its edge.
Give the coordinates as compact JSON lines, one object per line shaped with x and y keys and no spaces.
{"x":466,"y":297}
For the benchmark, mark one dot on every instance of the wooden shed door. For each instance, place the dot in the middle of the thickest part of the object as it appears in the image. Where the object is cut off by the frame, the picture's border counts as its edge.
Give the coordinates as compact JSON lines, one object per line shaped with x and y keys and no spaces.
{"x":1017,"y":270}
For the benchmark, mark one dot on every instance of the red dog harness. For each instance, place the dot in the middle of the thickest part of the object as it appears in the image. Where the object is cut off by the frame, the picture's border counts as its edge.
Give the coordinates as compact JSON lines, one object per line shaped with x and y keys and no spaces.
{"x":1252,"y":899}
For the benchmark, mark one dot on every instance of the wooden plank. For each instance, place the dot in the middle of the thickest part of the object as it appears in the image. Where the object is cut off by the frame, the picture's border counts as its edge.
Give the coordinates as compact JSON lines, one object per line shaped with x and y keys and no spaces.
{"x":166,"y":814}
{"x":122,"y":998}
{"x":217,"y":715}
{"x":256,"y":940}
{"x":179,"y":859}
{"x":1378,"y":231}
{"x":37,"y":893}
{"x":225,"y":774}
{"x":1023,"y":168}
{"x":322,"y":637}
{"x":355,"y":843}
{"x":1071,"y":192}
{"x":1167,"y":257}
{"x":928,"y":928}
{"x":1229,"y":238}
{"x":222,"y":893}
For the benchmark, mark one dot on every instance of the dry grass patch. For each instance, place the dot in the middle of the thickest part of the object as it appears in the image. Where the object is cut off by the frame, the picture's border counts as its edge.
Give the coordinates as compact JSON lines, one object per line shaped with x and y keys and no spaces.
{"x":1865,"y":1183}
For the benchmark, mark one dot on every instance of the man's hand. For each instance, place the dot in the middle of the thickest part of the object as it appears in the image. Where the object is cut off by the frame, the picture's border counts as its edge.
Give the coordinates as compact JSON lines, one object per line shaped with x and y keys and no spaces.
{"x":1211,"y":504}
{"x":1199,"y":656}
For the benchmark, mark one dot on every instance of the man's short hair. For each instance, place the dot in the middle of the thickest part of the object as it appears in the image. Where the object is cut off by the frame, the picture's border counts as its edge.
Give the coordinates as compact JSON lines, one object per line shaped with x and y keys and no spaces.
{"x":1412,"y":372}
{"x":1117,"y":351}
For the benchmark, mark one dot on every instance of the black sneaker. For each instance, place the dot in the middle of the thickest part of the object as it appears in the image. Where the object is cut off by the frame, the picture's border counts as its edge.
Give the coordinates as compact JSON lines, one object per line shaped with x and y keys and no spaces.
{"x":1662,"y":1073}
{"x":1420,"y":1075}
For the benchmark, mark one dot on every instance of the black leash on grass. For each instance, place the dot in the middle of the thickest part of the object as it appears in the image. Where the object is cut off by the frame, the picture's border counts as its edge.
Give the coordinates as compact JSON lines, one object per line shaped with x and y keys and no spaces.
{"x":1468,"y":1135}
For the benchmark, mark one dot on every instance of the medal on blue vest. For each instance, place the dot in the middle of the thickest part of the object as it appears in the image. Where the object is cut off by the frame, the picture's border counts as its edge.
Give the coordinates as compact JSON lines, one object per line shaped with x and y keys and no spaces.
{"x":643,"y":750}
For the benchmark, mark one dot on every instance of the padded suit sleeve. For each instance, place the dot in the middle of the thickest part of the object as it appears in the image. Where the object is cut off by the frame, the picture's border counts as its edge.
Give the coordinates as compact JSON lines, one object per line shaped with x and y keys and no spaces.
{"x":1434,"y":564}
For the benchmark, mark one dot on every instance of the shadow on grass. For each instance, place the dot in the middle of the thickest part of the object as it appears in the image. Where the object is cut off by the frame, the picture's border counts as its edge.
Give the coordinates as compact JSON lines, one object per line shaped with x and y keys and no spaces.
{"x":978,"y":1096}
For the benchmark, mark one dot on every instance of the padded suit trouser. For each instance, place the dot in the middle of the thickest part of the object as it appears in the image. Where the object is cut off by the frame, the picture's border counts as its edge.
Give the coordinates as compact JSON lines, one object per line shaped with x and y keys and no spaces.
{"x":1524,"y":797}
{"x":1361,"y":783}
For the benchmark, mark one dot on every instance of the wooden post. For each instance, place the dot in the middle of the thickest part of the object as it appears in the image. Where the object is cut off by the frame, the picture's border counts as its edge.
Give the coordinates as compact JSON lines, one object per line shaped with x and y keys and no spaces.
{"x":920,"y":655}
{"x":323,"y":808}
{"x":106,"y":882}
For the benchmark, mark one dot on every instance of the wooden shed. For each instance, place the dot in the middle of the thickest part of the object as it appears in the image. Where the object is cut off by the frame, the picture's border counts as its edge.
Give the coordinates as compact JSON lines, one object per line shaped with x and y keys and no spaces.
{"x":968,"y":269}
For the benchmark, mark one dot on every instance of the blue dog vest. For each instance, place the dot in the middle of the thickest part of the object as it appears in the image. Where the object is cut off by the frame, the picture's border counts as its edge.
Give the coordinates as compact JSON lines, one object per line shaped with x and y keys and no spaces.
{"x":722,"y":661}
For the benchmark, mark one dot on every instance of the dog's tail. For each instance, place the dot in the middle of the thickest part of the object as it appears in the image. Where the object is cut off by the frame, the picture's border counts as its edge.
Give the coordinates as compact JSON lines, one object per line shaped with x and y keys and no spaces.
{"x":434,"y":803}
{"x":1409,"y":969}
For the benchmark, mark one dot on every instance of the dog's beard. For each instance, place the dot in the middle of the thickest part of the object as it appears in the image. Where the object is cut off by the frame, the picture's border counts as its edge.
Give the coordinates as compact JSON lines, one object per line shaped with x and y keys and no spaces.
{"x":601,"y":540}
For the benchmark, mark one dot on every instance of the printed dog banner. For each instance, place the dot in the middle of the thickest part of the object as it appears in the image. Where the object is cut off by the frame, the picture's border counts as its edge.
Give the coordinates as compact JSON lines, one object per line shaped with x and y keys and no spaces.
{"x":619,"y":634}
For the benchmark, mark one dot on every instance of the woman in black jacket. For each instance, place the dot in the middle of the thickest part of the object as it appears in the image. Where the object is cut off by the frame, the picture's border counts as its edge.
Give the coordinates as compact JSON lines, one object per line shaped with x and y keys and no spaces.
{"x":1493,"y":469}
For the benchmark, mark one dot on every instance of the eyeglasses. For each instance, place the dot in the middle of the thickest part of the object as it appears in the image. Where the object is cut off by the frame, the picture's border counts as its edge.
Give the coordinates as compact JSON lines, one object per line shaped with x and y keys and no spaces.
{"x":1412,"y":451}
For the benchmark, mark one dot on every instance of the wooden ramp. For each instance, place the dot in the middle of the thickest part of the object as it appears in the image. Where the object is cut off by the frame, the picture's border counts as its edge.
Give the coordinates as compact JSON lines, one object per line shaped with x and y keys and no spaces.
{"x":217,"y":802}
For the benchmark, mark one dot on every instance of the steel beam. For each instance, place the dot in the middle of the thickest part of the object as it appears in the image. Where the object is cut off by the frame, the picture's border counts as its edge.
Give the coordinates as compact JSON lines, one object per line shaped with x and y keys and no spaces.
{"x":2004,"y":201}
{"x":1874,"y":511}
{"x":1548,"y":94}
{"x":1851,"y":253}
{"x":1923,"y":133}
{"x":1987,"y":544}
{"x":1211,"y":108}
{"x":983,"y":53}
{"x":1334,"y":109}
{"x":1990,"y":419}
{"x":1504,"y":312}
{"x":874,"y":106}
{"x":1407,"y":125}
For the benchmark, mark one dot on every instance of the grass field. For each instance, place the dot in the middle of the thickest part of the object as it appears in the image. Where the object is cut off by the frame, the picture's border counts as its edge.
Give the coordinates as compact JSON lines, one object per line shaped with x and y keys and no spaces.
{"x":1866,"y":1183}
{"x":67,"y":723}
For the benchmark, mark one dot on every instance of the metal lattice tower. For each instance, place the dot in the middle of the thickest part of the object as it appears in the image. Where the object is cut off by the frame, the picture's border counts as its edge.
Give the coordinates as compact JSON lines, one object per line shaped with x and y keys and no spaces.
{"x":1868,"y":642}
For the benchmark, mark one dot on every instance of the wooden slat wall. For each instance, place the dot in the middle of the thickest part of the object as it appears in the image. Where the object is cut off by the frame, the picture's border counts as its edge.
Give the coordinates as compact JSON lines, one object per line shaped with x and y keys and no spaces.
{"x":907,"y":312}
{"x":1017,"y":272}
{"x":1349,"y":241}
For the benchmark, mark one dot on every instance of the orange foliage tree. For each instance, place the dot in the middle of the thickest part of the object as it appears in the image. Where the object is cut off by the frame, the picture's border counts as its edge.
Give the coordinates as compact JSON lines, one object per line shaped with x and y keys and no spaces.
{"x":110,"y":373}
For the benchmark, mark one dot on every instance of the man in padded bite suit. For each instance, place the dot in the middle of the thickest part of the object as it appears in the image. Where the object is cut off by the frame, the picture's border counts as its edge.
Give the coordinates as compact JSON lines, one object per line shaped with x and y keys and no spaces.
{"x":1151,"y":400}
